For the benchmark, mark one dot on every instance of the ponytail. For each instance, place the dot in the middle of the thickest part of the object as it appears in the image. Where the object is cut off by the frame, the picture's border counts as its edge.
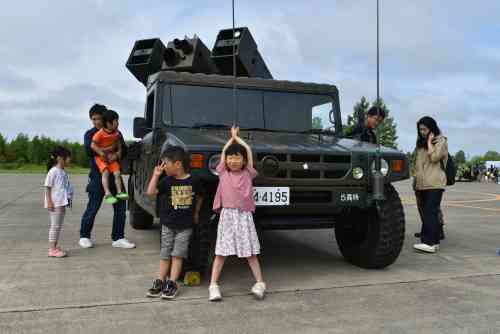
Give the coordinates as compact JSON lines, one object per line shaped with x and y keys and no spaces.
{"x":58,"y":151}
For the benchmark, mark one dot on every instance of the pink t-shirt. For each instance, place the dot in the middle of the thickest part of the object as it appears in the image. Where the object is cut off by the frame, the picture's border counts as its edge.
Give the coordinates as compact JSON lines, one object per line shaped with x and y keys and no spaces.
{"x":235,"y":189}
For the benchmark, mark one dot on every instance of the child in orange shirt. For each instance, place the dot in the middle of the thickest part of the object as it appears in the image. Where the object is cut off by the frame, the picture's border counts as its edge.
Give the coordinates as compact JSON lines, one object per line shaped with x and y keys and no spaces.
{"x":106,"y":143}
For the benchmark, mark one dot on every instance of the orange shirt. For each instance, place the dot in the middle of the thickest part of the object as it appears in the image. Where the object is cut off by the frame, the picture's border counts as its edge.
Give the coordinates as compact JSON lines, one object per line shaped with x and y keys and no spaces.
{"x":106,"y":141}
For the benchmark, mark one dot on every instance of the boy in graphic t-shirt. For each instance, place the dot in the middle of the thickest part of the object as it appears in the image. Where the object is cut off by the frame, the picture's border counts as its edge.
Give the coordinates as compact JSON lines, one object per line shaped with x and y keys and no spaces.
{"x":180,"y":200}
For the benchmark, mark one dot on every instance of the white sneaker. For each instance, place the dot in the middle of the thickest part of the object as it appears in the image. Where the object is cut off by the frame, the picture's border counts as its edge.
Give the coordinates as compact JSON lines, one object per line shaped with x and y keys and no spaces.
{"x":259,"y":290}
{"x":214,"y":294}
{"x":426,"y":248}
{"x":86,"y":243}
{"x":123,"y":243}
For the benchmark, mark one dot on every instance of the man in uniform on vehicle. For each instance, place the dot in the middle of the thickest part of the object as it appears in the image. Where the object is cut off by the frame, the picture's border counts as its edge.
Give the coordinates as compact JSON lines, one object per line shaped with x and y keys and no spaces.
{"x":366,"y":132}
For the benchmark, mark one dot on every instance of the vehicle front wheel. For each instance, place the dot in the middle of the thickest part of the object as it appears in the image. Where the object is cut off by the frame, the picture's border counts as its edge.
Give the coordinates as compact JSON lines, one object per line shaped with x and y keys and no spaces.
{"x":373,"y":238}
{"x":139,"y":219}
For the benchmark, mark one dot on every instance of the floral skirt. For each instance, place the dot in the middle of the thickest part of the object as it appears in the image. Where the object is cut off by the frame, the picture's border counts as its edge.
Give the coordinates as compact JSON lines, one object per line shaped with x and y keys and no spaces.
{"x":236,"y":234}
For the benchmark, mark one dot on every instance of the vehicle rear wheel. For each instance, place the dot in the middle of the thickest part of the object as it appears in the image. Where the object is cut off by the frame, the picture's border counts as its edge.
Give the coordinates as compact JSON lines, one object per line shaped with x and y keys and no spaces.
{"x":139,"y":219}
{"x":373,"y":238}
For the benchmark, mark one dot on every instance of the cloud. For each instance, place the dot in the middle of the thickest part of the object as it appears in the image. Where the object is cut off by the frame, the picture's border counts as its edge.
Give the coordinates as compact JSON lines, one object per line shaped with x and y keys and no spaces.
{"x":64,"y":113}
{"x":437,"y":58}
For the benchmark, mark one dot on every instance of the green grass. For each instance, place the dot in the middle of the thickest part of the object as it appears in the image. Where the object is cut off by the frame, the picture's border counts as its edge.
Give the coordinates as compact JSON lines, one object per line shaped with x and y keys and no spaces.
{"x":18,"y":168}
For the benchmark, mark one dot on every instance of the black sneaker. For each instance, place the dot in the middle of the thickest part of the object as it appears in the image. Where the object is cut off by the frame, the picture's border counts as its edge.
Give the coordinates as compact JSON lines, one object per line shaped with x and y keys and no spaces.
{"x":155,"y":290}
{"x":170,"y":290}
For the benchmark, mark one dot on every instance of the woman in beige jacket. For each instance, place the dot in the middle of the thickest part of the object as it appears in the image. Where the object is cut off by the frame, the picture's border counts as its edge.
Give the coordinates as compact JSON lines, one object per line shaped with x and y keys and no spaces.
{"x":430,"y":180}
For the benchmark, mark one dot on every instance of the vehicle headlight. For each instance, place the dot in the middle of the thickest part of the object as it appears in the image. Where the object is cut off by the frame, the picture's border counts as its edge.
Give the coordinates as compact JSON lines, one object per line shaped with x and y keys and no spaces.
{"x":357,"y":173}
{"x":384,"y":167}
{"x":213,"y":162}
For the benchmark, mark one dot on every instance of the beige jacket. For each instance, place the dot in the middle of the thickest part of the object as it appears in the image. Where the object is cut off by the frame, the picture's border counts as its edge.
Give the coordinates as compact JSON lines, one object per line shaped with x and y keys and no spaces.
{"x":427,"y":169}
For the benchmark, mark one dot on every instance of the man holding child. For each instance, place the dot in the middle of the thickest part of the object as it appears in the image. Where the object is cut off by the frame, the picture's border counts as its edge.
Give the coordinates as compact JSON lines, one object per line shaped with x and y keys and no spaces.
{"x":96,"y":192}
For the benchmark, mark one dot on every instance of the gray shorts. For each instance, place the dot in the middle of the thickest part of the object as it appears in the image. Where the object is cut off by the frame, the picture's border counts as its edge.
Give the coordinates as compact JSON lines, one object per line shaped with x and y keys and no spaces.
{"x":174,"y":242}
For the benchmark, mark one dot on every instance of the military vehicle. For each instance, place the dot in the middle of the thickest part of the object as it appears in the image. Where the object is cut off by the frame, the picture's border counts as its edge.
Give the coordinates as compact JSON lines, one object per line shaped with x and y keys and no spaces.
{"x":309,"y":175}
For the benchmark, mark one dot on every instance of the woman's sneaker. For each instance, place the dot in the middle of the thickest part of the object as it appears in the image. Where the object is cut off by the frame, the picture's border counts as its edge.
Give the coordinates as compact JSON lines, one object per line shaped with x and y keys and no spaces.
{"x":214,"y":294}
{"x":156,"y":289}
{"x":122,"y":195}
{"x":170,"y":290}
{"x":110,"y":199}
{"x":426,"y":248}
{"x":259,"y":290}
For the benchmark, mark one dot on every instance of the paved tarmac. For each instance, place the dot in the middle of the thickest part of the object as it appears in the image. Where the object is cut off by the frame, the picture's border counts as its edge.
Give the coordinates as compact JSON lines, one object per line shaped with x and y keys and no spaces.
{"x":311,"y":288}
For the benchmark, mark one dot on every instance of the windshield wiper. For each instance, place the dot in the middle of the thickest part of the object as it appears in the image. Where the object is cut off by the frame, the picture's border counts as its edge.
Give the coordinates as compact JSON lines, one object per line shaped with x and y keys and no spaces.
{"x":319,"y":131}
{"x":210,"y":126}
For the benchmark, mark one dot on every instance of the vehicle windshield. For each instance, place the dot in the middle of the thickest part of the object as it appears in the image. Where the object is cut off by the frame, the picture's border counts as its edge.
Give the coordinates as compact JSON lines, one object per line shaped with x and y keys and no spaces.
{"x":212,"y":107}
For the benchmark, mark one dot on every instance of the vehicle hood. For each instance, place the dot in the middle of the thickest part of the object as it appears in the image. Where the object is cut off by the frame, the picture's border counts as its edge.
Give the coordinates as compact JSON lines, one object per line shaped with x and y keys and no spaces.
{"x":272,"y":142}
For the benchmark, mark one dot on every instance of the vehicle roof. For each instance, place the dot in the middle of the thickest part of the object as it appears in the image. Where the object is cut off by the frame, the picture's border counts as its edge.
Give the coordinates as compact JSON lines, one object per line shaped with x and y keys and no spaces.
{"x":241,"y":82}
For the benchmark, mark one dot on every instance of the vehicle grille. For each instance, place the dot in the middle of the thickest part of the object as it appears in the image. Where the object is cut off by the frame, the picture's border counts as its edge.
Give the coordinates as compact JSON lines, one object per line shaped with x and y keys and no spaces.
{"x":303,"y":166}
{"x":297,"y":197}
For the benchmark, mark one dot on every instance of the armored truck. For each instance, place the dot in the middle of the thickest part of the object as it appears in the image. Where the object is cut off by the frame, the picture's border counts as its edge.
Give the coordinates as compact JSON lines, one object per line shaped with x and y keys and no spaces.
{"x":309,"y":175}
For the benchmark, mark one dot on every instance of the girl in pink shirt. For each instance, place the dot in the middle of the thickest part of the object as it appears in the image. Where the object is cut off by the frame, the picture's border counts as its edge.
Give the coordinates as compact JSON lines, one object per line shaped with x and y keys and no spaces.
{"x":236,"y":234}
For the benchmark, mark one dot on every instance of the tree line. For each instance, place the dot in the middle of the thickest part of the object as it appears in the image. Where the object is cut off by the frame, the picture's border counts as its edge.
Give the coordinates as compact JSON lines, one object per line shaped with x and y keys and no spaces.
{"x":23,"y":150}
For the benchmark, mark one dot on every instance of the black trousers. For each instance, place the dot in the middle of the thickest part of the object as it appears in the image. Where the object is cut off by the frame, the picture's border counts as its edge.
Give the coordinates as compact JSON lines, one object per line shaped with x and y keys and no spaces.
{"x":119,"y":216}
{"x":96,"y":195}
{"x":420,"y":207}
{"x":429,"y":205}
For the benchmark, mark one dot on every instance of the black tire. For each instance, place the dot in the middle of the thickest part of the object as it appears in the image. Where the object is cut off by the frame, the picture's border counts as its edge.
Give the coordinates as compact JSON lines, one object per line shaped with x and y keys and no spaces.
{"x":373,"y":238}
{"x":139,"y":219}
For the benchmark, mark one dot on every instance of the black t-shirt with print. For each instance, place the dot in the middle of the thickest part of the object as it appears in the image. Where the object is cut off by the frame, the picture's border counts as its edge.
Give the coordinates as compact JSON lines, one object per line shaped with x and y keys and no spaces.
{"x":177,"y":201}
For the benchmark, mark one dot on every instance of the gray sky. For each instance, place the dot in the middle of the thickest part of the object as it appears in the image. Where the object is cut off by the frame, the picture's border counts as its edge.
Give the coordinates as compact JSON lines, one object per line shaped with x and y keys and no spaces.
{"x":439,"y":58}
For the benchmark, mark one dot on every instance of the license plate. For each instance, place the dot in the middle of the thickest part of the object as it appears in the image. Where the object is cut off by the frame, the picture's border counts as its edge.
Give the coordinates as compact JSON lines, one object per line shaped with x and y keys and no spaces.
{"x":271,"y":196}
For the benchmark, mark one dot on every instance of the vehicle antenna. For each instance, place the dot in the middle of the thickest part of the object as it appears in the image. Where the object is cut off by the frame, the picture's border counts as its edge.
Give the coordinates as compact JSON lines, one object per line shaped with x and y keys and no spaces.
{"x":378,"y":178}
{"x":378,"y":61}
{"x":235,"y":107}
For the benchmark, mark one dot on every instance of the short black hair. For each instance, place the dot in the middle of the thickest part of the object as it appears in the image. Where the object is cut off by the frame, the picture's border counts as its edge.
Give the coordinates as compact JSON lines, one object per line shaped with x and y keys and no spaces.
{"x":376,"y":111}
{"x":98,"y":109}
{"x":236,"y":148}
{"x":109,"y":116}
{"x":177,"y":153}
{"x":58,"y":151}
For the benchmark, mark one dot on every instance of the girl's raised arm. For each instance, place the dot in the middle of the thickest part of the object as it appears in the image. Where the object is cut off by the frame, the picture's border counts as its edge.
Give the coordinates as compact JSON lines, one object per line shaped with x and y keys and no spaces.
{"x":247,"y":147}
{"x":229,"y":142}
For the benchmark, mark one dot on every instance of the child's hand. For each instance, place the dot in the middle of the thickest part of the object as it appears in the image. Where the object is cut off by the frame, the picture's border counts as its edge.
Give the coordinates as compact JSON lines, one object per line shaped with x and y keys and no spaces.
{"x":104,"y":156}
{"x":50,"y":205}
{"x":112,"y":157}
{"x":235,"y":131}
{"x":159,"y":169}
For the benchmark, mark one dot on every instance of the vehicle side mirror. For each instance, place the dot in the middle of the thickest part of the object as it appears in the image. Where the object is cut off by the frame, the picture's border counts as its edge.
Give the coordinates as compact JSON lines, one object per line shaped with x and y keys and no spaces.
{"x":331,"y":116}
{"x":140,"y":127}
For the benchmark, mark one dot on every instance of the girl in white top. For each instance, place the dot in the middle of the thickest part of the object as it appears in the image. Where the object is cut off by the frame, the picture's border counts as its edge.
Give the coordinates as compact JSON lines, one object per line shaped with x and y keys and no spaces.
{"x":58,"y":196}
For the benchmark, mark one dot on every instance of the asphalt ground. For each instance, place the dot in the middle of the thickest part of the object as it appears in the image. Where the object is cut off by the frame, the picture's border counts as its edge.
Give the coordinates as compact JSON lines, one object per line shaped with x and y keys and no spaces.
{"x":311,"y":289}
